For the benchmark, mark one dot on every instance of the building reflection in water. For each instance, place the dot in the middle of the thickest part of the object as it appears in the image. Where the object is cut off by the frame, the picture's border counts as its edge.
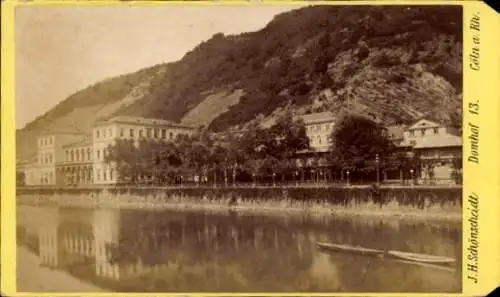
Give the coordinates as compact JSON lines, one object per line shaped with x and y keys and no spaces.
{"x":236,"y":252}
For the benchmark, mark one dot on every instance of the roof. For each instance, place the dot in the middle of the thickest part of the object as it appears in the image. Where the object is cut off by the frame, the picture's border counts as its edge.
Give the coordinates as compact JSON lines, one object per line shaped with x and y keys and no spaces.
{"x":85,"y":142}
{"x":436,"y":141}
{"x":319,"y":117}
{"x":62,"y":132}
{"x":142,"y":121}
{"x":313,"y":118}
{"x":424,"y":123}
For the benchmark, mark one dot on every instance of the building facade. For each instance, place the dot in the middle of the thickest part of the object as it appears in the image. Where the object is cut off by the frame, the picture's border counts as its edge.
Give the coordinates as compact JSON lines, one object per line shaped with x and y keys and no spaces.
{"x":76,"y":169}
{"x":439,"y":148}
{"x":319,"y":127}
{"x":125,"y":127}
{"x":41,"y":170}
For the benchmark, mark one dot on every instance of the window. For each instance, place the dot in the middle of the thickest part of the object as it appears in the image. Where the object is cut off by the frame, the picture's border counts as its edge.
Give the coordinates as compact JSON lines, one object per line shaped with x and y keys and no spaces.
{"x":319,"y":139}
{"x":50,"y":158}
{"x":98,"y":174}
{"x":436,"y":130}
{"x":141,"y":135}
{"x":40,"y":142}
{"x":82,"y":152}
{"x":171,"y":135}
{"x":412,"y":132}
{"x":97,"y":134}
{"x":111,"y":174}
{"x":50,"y":140}
{"x":163,"y":133}
{"x":67,"y":155}
{"x":110,"y":132}
{"x":156,"y":132}
{"x":89,"y":155}
{"x":98,"y":154}
{"x":104,"y":133}
{"x":72,"y":155}
{"x":77,"y":155}
{"x":148,"y":132}
{"x":104,"y":176}
{"x":122,"y":132}
{"x":132,"y":133}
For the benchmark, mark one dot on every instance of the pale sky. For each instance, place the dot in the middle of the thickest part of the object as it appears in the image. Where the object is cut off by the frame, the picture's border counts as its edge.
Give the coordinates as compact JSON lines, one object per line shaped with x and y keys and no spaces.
{"x":62,"y":50}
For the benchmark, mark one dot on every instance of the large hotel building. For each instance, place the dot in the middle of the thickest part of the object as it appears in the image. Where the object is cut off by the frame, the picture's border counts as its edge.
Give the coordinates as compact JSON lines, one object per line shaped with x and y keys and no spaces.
{"x":68,"y":158}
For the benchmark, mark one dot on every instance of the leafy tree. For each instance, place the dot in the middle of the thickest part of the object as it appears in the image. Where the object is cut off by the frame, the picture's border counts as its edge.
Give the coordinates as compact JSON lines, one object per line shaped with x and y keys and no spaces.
{"x":124,"y":156}
{"x":357,"y":139}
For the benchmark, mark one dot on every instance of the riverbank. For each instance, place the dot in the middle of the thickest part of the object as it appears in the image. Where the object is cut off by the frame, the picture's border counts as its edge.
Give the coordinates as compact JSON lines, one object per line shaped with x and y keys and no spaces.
{"x":424,"y":204}
{"x":31,"y":277}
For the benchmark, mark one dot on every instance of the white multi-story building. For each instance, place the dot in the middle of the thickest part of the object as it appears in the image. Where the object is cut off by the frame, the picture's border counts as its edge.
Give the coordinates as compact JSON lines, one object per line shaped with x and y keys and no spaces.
{"x":319,"y":127}
{"x":50,"y":152}
{"x":126,"y":127}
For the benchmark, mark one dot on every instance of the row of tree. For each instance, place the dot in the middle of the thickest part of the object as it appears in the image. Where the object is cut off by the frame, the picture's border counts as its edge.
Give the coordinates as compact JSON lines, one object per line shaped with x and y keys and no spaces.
{"x":358,"y":144}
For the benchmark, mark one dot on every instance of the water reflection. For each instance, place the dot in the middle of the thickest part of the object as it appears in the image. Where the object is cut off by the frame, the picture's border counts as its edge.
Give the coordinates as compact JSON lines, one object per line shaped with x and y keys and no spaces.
{"x":191,"y":251}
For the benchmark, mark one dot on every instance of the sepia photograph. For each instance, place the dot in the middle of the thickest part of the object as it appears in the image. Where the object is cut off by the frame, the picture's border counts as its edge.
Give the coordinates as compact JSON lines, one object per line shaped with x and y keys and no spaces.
{"x":239,"y":148}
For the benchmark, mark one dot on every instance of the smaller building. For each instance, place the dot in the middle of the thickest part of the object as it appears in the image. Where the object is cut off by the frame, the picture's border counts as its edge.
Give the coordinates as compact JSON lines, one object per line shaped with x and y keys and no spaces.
{"x":319,"y":127}
{"x":439,"y":148}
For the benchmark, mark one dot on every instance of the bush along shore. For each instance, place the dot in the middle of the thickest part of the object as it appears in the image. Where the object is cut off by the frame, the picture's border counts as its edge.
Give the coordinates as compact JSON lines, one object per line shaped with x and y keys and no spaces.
{"x":416,"y":202}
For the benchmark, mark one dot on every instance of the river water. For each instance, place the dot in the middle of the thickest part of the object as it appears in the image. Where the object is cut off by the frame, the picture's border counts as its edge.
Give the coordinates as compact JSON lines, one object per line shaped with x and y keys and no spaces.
{"x":183,"y":251}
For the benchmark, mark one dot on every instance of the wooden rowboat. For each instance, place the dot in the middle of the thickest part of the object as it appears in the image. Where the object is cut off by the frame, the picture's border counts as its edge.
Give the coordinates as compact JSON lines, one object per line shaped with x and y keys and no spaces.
{"x":405,"y":256}
{"x":350,"y":249}
{"x":423,"y":258}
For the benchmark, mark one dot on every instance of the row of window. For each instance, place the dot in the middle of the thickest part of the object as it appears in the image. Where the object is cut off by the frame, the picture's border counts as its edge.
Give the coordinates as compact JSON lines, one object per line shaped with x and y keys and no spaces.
{"x":319,"y":140}
{"x":319,"y":127}
{"x":150,"y":133}
{"x":104,"y":175}
{"x":47,"y":178}
{"x":422,"y":131}
{"x":141,"y":133}
{"x":77,"y":155}
{"x":46,"y":159}
{"x":82,"y":155}
{"x":45,"y":141}
{"x":104,"y":133}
